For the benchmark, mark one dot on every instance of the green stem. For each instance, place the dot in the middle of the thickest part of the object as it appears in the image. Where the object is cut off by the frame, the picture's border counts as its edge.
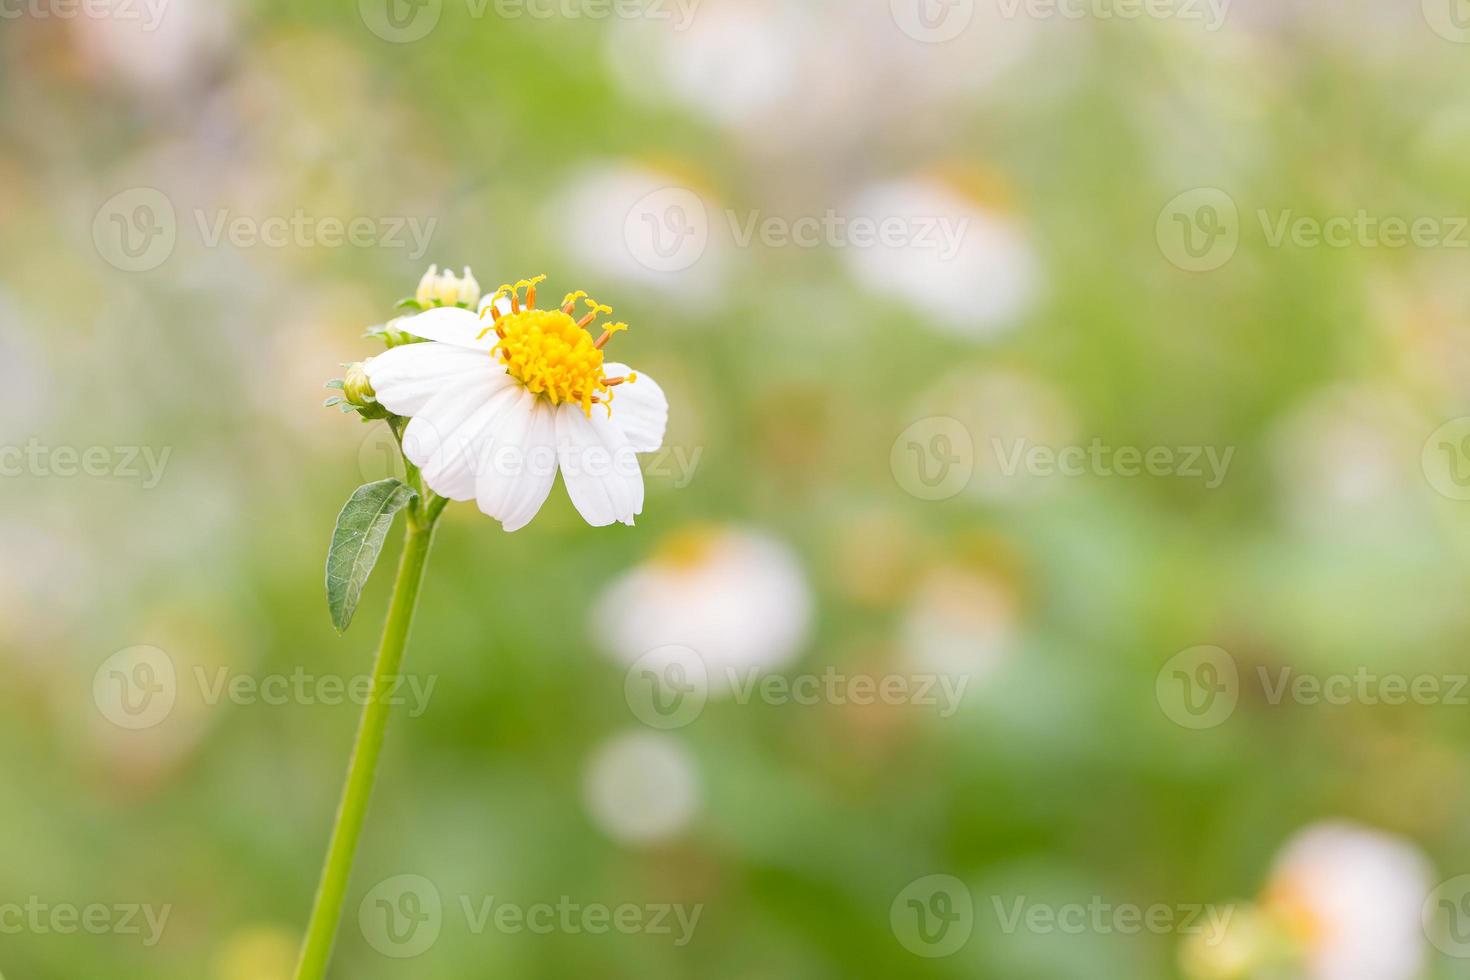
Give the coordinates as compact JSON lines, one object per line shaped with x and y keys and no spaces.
{"x":316,"y":951}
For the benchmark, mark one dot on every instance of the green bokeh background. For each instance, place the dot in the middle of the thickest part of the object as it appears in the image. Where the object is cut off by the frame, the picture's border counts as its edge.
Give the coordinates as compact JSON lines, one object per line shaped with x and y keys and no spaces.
{"x":1327,"y":549}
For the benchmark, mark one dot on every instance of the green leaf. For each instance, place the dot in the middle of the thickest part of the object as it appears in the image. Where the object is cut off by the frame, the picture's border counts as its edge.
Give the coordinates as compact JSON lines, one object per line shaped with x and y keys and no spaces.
{"x":357,"y":542}
{"x":409,"y":304}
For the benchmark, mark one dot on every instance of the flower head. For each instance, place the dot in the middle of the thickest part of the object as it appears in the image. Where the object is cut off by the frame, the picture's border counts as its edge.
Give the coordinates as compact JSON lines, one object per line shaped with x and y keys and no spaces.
{"x":502,"y":400}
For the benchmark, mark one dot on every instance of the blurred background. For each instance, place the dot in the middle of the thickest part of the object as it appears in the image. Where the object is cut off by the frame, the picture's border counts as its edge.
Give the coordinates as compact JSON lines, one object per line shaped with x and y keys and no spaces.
{"x":1055,"y":567}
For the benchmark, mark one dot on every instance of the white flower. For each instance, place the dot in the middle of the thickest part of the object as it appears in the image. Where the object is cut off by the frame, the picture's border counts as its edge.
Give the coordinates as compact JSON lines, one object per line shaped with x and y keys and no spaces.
{"x":960,"y":623}
{"x":642,"y":787}
{"x":446,"y":289}
{"x":645,"y":227}
{"x":1352,"y":899}
{"x":500,"y":401}
{"x":737,"y":599}
{"x":967,"y":266}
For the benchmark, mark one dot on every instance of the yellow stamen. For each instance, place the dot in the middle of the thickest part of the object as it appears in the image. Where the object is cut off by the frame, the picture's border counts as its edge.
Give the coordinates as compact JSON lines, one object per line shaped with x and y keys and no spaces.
{"x":553,"y":355}
{"x":608,"y":334}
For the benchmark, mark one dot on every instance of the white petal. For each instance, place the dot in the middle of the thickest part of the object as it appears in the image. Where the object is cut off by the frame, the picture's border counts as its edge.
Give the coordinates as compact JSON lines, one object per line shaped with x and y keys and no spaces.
{"x":520,"y":463}
{"x":598,"y":466}
{"x":406,"y":377}
{"x":450,"y":438}
{"x":443,"y":438}
{"x":451,"y":325}
{"x":639,"y":409}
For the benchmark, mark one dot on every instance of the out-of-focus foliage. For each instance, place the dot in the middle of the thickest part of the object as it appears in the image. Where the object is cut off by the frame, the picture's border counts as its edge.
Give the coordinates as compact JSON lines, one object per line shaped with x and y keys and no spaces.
{"x":884,"y":278}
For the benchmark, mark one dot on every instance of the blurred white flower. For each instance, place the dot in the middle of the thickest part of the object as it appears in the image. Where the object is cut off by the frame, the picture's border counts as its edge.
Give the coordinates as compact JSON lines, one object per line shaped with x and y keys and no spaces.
{"x":1352,"y":899}
{"x":644,"y":227}
{"x":641,"y":787}
{"x":960,"y":623}
{"x":1005,"y":412}
{"x":1346,"y":453}
{"x":499,"y":404}
{"x":159,"y":45}
{"x":1365,"y":28}
{"x":822,"y":80}
{"x":976,"y":280}
{"x":729,"y":61}
{"x":737,"y":598}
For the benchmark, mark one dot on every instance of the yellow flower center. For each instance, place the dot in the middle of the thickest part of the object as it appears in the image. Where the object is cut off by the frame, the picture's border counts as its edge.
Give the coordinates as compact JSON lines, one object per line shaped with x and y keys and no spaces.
{"x":551,"y":353}
{"x":689,"y":547}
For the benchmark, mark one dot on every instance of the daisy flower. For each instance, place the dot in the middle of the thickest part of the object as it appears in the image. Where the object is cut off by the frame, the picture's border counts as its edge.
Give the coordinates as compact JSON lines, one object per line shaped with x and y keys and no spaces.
{"x":737,"y":597}
{"x":501,"y":400}
{"x":1351,"y":898}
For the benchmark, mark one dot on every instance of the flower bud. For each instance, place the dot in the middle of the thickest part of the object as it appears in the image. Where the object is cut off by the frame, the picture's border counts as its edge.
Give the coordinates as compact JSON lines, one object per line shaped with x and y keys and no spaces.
{"x":469,"y":289}
{"x":446,"y":289}
{"x":428,"y":287}
{"x":356,"y":387}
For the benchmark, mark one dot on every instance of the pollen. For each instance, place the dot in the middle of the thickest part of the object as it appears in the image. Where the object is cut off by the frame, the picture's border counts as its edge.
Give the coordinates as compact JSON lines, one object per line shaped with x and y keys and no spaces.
{"x":551,"y":353}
